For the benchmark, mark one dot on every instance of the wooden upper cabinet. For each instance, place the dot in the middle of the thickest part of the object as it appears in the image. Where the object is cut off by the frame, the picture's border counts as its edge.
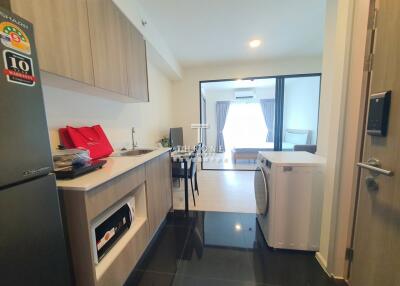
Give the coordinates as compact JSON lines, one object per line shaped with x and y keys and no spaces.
{"x":136,"y":64}
{"x":89,"y":41}
{"x":62,"y":36}
{"x":108,"y":40}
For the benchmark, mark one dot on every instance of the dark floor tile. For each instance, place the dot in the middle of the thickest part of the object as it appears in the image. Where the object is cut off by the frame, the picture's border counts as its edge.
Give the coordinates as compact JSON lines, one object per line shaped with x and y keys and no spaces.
{"x":149,"y":278}
{"x":182,"y":280}
{"x":183,"y":219}
{"x":285,"y":267}
{"x":211,"y":248}
{"x":227,"y":229}
{"x":166,"y":250}
{"x":217,"y":248}
{"x":339,"y":282}
{"x":217,"y":263}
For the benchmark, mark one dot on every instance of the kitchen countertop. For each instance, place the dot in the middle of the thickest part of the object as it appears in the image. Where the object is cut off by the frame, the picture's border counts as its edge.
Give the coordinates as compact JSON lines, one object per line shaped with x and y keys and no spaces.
{"x":114,"y":167}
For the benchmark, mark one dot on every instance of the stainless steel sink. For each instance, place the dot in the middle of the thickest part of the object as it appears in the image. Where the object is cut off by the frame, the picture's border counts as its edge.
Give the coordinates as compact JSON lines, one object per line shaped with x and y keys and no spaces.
{"x":134,"y":152}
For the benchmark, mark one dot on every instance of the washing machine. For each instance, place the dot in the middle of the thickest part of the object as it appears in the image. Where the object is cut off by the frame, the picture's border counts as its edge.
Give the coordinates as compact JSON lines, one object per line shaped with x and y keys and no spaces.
{"x":289,"y":195}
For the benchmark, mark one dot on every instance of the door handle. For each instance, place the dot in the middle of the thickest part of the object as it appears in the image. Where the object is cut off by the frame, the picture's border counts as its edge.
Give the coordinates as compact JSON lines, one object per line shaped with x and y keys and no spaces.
{"x":373,"y":165}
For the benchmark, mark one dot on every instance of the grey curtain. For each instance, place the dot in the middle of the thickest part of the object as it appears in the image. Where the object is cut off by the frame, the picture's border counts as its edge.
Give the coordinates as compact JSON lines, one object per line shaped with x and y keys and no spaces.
{"x":268,"y":109}
{"x":222,"y":108}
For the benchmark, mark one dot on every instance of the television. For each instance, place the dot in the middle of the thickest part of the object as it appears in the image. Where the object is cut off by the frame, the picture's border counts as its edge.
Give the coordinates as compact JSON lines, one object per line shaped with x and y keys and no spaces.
{"x":176,"y":137}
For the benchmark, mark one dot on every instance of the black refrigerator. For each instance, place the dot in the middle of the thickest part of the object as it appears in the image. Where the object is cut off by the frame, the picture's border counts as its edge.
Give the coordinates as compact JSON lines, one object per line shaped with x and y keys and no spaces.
{"x":32,"y":242}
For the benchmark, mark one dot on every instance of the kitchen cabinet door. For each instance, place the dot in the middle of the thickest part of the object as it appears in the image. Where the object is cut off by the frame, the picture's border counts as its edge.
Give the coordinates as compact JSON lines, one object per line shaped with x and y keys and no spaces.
{"x":62,"y":36}
{"x":108,"y":41}
{"x":165,"y":165}
{"x":155,"y":196}
{"x":136,"y":64}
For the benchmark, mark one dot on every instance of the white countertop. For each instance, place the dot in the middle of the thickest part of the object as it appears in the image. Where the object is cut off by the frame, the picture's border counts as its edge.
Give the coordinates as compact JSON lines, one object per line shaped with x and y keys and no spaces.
{"x":293,"y":158}
{"x":114,"y":167}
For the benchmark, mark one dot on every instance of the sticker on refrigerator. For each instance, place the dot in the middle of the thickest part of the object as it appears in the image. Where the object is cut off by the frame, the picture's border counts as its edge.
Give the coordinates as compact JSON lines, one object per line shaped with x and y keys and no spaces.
{"x":18,"y":68}
{"x":14,"y":38}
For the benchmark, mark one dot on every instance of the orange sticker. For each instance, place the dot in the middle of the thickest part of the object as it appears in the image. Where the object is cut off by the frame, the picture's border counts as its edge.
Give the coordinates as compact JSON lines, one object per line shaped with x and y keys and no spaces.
{"x":13,"y":37}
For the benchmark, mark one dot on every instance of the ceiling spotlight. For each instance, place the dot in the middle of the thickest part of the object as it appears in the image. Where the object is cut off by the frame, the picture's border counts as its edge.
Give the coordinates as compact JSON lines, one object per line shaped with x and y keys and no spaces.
{"x":254,"y":43}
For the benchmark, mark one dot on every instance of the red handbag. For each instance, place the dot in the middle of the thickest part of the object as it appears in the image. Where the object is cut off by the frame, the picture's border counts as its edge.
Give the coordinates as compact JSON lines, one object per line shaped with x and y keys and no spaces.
{"x":91,"y":138}
{"x":65,"y":140}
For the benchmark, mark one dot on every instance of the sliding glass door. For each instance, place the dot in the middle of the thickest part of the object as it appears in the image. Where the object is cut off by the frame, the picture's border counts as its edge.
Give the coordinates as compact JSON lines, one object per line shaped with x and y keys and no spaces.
{"x":245,"y":117}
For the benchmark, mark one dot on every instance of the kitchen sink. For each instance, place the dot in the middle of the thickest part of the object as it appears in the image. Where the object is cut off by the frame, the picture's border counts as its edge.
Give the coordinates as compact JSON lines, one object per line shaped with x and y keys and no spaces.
{"x":134,"y":152}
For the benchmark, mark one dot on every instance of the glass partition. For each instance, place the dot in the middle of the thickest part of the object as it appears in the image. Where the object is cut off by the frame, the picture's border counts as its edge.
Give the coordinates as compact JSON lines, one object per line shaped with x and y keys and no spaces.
{"x":300,"y":112}
{"x":247,"y":116}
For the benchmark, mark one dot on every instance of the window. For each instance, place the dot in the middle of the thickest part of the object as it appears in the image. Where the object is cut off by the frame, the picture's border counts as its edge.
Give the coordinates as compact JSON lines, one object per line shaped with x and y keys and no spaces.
{"x":245,"y":126}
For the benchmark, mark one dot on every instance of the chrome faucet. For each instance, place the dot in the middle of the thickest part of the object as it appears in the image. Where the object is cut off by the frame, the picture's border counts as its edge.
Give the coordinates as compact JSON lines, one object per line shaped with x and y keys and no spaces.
{"x":134,"y":145}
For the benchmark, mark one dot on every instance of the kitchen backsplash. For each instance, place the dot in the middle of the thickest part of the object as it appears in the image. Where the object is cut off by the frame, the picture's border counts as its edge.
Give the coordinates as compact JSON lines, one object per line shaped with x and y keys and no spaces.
{"x":151,"y":120}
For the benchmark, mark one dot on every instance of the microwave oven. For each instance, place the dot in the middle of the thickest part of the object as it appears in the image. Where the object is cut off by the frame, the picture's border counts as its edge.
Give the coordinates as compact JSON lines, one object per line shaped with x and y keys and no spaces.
{"x":109,"y":227}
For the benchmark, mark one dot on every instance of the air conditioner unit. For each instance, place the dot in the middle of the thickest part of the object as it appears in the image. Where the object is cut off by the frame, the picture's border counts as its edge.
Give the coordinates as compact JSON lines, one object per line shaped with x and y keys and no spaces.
{"x":244,"y":93}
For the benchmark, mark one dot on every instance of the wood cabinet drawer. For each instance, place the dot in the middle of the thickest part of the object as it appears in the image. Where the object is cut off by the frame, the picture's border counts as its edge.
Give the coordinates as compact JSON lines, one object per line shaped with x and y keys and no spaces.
{"x":104,"y":196}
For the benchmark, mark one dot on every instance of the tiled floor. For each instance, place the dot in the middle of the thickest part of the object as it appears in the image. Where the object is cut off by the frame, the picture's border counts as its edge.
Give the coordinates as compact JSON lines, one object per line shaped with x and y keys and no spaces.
{"x":224,"y":249}
{"x":226,"y":191}
{"x":223,"y":161}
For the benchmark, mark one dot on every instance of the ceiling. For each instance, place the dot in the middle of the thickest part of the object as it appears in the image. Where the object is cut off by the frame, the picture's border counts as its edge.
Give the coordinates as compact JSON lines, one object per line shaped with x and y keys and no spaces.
{"x":238,"y":84}
{"x":201,"y":32}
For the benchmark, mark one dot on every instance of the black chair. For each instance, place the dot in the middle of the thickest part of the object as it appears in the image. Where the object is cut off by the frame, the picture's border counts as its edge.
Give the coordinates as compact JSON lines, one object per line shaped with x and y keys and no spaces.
{"x":179,"y":173}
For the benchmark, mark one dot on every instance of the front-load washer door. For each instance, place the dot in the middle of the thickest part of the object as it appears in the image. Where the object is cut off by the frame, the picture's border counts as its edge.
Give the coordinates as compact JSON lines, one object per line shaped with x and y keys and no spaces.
{"x":261,"y":190}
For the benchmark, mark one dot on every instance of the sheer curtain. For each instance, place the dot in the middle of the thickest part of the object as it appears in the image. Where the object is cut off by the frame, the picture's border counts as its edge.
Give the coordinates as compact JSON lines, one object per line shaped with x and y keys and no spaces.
{"x":222,"y":108}
{"x":268,"y":109}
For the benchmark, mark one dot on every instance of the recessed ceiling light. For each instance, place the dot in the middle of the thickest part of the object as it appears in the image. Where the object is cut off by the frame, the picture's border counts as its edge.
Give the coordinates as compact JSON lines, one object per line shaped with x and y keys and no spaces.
{"x":238,"y":227}
{"x":254,"y":43}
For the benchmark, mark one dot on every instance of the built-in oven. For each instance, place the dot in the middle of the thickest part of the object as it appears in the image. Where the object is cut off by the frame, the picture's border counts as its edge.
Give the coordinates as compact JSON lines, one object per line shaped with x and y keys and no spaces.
{"x":110,"y":226}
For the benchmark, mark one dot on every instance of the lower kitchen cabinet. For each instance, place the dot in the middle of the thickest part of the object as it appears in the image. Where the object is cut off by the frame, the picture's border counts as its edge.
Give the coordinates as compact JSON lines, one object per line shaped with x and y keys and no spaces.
{"x":147,"y":186}
{"x":158,"y":188}
{"x":166,"y":178}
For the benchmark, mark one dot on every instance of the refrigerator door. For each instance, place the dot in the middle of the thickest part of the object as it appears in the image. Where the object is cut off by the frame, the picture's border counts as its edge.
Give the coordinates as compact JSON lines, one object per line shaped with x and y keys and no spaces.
{"x":24,"y":139}
{"x":32,"y":244}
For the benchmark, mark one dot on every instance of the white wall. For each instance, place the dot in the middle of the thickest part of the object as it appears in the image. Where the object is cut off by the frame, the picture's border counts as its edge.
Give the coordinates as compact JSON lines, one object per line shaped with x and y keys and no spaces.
{"x":151,"y":120}
{"x":352,"y":143}
{"x":301,"y":104}
{"x":334,"y":68}
{"x":340,"y":126}
{"x":186,"y":91}
{"x":212,"y":96}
